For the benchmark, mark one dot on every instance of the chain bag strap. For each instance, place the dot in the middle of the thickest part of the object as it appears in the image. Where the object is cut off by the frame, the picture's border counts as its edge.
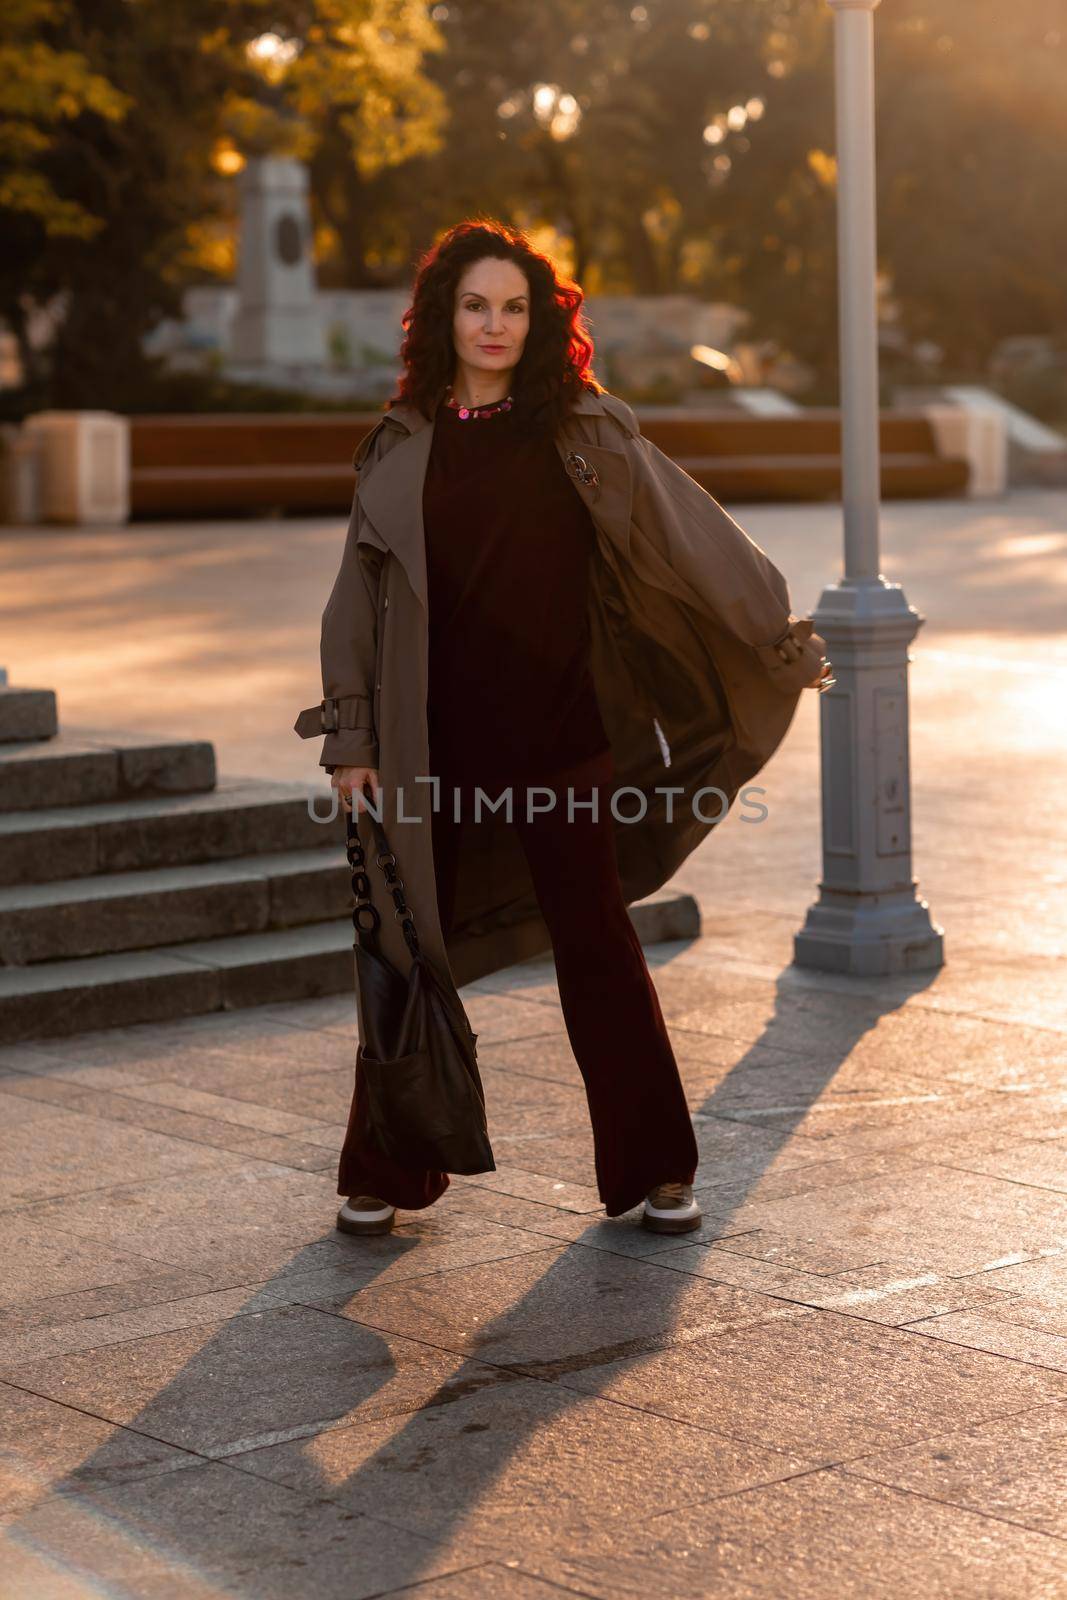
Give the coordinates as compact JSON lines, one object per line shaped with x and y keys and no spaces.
{"x":367,"y":932}
{"x":417,"y":1053}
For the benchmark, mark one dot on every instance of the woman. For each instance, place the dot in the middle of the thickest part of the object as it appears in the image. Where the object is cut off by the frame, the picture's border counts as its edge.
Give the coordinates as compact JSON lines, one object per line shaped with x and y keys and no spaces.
{"x":567,"y":622}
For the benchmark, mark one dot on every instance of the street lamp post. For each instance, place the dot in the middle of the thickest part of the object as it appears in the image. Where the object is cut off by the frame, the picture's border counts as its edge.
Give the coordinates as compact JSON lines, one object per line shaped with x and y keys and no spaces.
{"x":869,"y":917}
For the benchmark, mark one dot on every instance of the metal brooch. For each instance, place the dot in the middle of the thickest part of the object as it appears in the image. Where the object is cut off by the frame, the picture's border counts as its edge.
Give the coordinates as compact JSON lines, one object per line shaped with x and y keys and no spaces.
{"x":579,"y":468}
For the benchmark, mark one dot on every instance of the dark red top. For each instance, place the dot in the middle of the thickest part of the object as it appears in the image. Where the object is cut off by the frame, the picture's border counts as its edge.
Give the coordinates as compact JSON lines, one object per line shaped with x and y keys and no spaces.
{"x":509,"y":541}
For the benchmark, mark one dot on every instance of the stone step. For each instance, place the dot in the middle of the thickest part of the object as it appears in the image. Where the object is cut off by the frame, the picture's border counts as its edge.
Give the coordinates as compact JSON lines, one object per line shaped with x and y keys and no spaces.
{"x":116,"y":911}
{"x":27,"y":714}
{"x":239,"y":817}
{"x":81,"y":766}
{"x":59,"y":998}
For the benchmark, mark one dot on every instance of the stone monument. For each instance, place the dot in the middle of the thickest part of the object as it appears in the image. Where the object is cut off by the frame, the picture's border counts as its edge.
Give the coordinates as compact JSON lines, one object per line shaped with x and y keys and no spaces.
{"x":278,"y":322}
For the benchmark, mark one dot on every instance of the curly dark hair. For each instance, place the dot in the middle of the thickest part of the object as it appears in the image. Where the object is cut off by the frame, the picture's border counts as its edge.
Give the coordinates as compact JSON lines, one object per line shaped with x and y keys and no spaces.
{"x":554,"y":367}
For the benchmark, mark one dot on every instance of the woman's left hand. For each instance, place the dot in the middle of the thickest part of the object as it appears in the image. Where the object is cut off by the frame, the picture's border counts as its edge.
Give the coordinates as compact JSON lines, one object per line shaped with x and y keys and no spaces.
{"x":825,"y":678}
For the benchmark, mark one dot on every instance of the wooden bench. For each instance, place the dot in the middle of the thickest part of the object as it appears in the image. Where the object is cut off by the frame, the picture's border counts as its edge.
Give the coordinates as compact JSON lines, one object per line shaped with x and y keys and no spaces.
{"x":743,"y":458}
{"x":216,"y":465}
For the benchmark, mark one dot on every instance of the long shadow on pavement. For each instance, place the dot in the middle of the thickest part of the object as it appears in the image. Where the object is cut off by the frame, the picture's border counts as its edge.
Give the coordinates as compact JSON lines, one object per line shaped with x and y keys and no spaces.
{"x":352,"y":1430}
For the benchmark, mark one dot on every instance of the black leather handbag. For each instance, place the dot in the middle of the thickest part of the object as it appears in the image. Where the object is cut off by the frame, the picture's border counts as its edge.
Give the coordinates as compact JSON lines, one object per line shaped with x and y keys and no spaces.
{"x":426,"y":1106}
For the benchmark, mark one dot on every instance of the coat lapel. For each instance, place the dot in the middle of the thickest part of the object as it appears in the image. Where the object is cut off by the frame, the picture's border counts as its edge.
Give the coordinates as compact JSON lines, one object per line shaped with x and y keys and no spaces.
{"x":391,"y":497}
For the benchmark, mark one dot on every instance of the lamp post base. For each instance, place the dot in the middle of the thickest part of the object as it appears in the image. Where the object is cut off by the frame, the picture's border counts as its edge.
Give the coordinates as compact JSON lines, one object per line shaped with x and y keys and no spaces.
{"x":870,"y":936}
{"x":869,"y":918}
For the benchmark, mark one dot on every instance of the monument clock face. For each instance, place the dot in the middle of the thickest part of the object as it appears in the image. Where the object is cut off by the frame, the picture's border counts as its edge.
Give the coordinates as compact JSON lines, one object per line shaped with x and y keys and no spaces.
{"x":287,"y":241}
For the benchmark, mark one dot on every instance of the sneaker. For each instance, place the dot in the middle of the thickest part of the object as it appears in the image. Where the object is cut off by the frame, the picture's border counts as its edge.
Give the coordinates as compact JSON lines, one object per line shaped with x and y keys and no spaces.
{"x":670,"y":1208}
{"x":364,"y":1213}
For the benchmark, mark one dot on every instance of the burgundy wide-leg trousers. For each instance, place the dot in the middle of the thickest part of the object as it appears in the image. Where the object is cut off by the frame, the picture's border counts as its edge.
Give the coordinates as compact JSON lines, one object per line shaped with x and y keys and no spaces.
{"x":642,"y":1132}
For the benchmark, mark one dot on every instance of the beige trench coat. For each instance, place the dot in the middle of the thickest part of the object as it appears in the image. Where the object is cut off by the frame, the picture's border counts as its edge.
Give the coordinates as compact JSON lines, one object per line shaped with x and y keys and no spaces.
{"x":697,"y":659}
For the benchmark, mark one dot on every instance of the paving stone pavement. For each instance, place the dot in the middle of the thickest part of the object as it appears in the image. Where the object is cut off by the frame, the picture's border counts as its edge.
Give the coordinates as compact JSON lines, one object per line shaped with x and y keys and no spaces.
{"x":852,"y":1382}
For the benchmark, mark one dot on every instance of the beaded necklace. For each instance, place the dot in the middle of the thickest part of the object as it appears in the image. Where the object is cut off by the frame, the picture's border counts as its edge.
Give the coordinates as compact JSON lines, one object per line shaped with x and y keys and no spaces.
{"x":475,"y":413}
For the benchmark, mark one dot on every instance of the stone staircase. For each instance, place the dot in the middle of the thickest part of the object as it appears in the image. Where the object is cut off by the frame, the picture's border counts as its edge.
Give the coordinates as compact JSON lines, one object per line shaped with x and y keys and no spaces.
{"x":138,"y":886}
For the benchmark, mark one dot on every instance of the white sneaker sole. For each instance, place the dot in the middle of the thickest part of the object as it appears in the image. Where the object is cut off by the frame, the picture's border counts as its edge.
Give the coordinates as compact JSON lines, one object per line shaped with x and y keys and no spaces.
{"x":673,"y":1219}
{"x":380,"y":1220}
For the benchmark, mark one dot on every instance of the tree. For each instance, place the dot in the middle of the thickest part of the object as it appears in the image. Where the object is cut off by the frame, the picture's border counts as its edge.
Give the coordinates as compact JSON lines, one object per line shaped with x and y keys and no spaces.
{"x":40,"y":89}
{"x":187,"y":77}
{"x":342,"y":88}
{"x":654,"y":147}
{"x":972,"y":137}
{"x":43,"y":88}
{"x":971,"y":145}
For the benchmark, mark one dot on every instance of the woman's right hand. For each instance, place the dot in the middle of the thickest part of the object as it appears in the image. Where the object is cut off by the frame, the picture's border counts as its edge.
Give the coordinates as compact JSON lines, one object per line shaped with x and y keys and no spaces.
{"x":349,"y":782}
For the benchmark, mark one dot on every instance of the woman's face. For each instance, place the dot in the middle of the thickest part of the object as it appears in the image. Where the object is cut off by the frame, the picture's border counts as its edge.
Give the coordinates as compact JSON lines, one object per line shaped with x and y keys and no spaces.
{"x":491,"y":317}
